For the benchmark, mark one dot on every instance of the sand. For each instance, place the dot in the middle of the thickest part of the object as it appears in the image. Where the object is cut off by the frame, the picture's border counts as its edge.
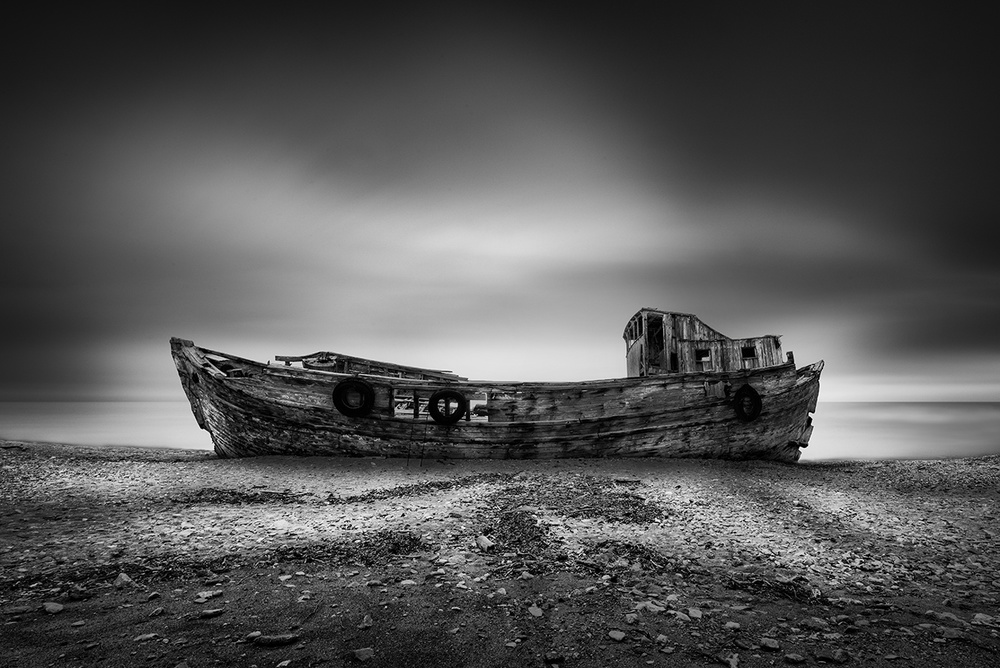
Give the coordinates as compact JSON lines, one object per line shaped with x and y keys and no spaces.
{"x":132,"y":556}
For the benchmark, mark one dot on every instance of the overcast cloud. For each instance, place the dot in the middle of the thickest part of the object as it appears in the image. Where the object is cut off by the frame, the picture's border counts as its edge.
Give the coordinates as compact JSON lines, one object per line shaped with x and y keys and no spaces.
{"x":497,"y":191}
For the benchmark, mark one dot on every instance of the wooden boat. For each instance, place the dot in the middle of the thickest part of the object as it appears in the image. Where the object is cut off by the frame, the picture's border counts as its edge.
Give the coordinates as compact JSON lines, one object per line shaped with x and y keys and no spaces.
{"x":689,"y":392}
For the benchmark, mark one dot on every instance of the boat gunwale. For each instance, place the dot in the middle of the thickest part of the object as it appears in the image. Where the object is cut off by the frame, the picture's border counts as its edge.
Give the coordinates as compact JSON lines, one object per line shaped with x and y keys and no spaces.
{"x":275,"y":369}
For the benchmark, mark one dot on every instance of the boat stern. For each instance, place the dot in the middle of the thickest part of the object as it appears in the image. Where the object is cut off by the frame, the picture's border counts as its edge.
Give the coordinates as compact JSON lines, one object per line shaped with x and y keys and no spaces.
{"x":809,"y":380}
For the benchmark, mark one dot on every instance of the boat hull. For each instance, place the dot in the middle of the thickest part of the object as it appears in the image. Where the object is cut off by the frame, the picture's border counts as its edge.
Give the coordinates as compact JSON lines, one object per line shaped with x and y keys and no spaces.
{"x":253,"y":409}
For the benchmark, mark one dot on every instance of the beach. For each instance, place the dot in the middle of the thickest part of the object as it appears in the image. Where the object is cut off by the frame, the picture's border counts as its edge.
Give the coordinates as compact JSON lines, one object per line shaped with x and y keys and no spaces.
{"x":120,"y":556}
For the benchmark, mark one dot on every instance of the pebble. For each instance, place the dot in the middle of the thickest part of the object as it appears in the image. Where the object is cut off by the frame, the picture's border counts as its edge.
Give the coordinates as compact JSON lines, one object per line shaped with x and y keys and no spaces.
{"x":795,"y":658}
{"x":124,"y":580}
{"x":205,"y":595}
{"x":364,"y":653}
{"x":52,"y":608}
{"x":214,"y":612}
{"x":616,"y":635}
{"x":770,"y":643}
{"x":535,"y":611}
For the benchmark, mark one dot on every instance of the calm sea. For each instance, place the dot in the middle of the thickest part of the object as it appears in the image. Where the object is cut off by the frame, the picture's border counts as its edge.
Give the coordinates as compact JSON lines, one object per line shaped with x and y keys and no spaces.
{"x":871,"y":430}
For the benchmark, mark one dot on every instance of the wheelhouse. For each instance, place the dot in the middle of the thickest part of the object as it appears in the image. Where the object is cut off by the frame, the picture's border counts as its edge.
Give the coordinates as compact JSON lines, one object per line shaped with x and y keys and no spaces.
{"x":661,"y":342}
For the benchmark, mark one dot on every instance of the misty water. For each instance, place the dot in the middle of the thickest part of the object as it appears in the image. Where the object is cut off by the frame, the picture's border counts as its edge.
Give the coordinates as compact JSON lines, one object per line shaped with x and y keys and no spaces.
{"x":871,"y":430}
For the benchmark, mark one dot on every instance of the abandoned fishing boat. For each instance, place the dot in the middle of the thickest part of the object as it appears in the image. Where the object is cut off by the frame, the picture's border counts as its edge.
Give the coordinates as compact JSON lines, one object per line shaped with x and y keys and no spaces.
{"x":690,"y":391}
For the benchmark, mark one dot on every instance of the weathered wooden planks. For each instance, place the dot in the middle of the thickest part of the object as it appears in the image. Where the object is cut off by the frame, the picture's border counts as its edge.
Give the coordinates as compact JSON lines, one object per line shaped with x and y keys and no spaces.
{"x":257,"y":409}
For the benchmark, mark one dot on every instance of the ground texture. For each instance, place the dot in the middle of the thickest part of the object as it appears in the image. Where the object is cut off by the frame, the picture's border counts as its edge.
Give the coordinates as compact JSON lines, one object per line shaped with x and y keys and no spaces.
{"x":123,"y":557}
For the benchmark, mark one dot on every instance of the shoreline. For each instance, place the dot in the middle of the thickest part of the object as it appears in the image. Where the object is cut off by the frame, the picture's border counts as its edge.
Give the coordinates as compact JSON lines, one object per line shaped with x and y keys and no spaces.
{"x":857,"y":560}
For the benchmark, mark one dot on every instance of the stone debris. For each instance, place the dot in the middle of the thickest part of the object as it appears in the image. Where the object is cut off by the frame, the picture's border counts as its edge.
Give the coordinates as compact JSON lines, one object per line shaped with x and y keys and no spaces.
{"x":827,"y":570}
{"x":364,"y":654}
{"x":203,"y":596}
{"x":731,"y":660}
{"x":124,"y":580}
{"x":214,"y":612}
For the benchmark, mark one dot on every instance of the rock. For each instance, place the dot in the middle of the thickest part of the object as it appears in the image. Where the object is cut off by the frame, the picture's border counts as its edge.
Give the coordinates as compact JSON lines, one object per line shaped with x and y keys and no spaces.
{"x":78,"y":623}
{"x":408,"y":583}
{"x":78,"y":593}
{"x":732,"y":626}
{"x":214,"y":612}
{"x":153,"y":595}
{"x":616,"y":635}
{"x":52,"y":608}
{"x":156,"y":612}
{"x":366,"y":622}
{"x":484,"y":543}
{"x":694,"y":613}
{"x":795,"y":658}
{"x":364,"y":653}
{"x":770,"y":644}
{"x":535,"y":611}
{"x":732,"y":660}
{"x":205,"y":595}
{"x":276,"y":640}
{"x":17,"y":610}
{"x":145,"y":636}
{"x":554,"y":659}
{"x":123,"y":581}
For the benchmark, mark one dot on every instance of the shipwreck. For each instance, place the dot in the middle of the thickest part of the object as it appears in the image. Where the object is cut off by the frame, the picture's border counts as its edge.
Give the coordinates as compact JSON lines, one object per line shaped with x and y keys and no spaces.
{"x":689,"y":391}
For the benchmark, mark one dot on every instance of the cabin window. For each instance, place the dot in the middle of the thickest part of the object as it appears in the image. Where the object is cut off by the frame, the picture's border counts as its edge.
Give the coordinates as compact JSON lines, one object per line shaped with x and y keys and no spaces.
{"x":749,"y":353}
{"x":674,"y":363}
{"x":703,"y":359}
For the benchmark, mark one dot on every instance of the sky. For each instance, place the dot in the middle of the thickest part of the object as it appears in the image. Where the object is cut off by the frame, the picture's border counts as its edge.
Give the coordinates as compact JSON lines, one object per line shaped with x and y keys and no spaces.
{"x":496,"y":189}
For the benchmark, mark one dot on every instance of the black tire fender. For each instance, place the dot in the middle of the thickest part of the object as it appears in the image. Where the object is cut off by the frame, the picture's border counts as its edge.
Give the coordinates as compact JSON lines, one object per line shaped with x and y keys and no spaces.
{"x":447,"y":395}
{"x":354,"y":397}
{"x":747,"y":403}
